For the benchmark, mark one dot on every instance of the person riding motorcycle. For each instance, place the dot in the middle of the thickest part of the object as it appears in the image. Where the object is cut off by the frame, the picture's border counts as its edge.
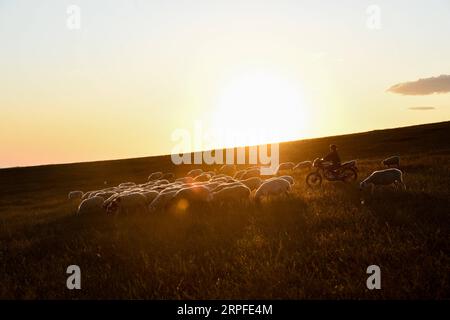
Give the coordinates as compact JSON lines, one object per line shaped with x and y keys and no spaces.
{"x":333,"y":157}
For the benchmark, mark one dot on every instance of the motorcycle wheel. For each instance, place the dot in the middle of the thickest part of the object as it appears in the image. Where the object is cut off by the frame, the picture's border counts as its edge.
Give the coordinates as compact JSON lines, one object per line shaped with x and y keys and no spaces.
{"x":314,"y":180}
{"x":349,"y":175}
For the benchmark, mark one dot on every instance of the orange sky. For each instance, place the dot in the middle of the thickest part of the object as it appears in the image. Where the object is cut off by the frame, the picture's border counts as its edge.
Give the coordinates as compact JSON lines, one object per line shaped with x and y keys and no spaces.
{"x":133,"y":73}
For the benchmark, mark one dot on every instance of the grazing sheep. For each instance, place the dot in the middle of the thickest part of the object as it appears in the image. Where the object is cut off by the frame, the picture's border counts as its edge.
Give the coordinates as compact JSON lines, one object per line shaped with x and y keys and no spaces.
{"x":252,"y":183}
{"x":110,"y":199}
{"x":194,"y":172}
{"x":219,"y":175}
{"x":231,"y":194}
{"x":91,"y":206}
{"x":303,"y":165}
{"x":203,"y":177}
{"x":272,"y":187}
{"x":228,"y":169}
{"x":86,"y":195}
{"x":162,"y":182}
{"x":222,"y":177}
{"x":185,"y":180}
{"x":212,"y":185}
{"x":105,"y":195}
{"x":160,"y":188}
{"x":75,"y":195}
{"x":155,"y":176}
{"x":219,"y":180}
{"x":383,"y":177}
{"x":391,"y":161}
{"x":239,"y":174}
{"x":288,"y":179}
{"x":162,"y":200}
{"x":126,"y":203}
{"x":285,"y":166}
{"x":149,"y":184}
{"x":226,"y":185}
{"x":150,"y":195}
{"x":198,"y":193}
{"x":251,"y":173}
{"x":168,"y":176}
{"x":127,"y":184}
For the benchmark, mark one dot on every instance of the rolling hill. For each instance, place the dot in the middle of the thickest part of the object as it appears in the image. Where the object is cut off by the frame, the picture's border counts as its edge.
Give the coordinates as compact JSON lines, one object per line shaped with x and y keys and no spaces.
{"x":316,"y":244}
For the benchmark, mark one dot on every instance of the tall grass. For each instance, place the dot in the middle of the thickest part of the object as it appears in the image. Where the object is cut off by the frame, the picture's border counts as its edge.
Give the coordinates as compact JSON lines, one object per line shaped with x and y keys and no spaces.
{"x":314,"y":244}
{"x":311,"y":245}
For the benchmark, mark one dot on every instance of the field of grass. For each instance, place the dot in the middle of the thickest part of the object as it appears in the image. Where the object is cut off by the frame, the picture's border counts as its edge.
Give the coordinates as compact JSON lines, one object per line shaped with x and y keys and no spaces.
{"x":312,"y":245}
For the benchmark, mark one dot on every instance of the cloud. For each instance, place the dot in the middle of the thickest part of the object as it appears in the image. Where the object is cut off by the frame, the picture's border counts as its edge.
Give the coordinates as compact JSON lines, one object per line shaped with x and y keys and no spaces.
{"x":422,"y":108}
{"x":424,"y":86}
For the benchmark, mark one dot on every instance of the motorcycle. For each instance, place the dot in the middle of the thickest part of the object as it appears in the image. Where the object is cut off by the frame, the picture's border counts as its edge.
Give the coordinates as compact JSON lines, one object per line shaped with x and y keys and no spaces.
{"x":347,"y":172}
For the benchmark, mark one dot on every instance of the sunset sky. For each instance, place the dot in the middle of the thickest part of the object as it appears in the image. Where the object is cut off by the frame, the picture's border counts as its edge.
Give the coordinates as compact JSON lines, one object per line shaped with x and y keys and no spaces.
{"x":136,"y":71}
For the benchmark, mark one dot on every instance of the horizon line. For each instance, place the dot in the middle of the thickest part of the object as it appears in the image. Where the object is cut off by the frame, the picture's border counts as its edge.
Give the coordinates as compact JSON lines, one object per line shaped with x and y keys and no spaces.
{"x":224,"y":148}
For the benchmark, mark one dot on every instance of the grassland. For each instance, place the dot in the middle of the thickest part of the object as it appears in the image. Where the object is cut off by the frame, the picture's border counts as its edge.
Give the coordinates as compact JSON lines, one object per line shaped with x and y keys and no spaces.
{"x":314,"y":245}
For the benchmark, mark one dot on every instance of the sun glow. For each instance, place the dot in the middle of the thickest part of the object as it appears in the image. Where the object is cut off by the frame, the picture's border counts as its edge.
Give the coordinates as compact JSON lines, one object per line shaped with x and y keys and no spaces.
{"x":259,"y":108}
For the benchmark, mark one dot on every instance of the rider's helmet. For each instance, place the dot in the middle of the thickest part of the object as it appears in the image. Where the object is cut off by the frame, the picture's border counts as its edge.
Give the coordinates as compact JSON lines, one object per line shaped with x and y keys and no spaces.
{"x":333,"y":147}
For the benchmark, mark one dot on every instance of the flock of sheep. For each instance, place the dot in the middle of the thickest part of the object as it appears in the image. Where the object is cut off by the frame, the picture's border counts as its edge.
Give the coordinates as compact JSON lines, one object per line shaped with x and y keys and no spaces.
{"x":226,"y":186}
{"x":164,"y":190}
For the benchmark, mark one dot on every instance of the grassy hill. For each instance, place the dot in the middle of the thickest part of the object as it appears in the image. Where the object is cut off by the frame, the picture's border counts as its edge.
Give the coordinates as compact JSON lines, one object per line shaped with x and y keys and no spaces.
{"x":315,"y":244}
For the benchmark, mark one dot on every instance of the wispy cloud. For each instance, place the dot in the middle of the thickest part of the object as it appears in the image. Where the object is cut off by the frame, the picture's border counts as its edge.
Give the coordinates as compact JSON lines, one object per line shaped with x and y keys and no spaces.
{"x":422,"y":108}
{"x":440,"y":84}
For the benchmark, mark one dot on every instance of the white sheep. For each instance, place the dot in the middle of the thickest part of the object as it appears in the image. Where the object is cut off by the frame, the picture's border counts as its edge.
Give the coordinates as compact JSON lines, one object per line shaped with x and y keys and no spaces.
{"x":185,"y":180}
{"x":272,"y":187}
{"x":162,"y":182}
{"x":288,"y":179}
{"x":251,"y":173}
{"x":197,"y":193}
{"x":285,"y":166}
{"x":162,"y":200}
{"x":211,"y":173}
{"x":252,"y":183}
{"x":150,"y":195}
{"x":155,"y":176}
{"x":231,"y":194}
{"x":75,"y":195}
{"x":103,"y":194}
{"x":219,"y":180}
{"x":87,"y":194}
{"x":160,"y":188}
{"x":228,"y":169}
{"x":212,"y":185}
{"x":127,"y":203}
{"x":110,"y":199}
{"x":383,"y":177}
{"x":194,"y":172}
{"x":202,"y":177}
{"x":219,"y":175}
{"x":91,"y":206}
{"x":127,"y":184}
{"x":303,"y":165}
{"x":239,"y":174}
{"x":226,"y":185}
{"x":391,"y":161}
{"x":148,"y":184}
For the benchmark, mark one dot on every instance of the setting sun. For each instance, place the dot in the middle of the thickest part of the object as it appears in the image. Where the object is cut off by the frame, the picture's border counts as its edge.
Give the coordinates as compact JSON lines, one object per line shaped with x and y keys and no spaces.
{"x":259,"y":108}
